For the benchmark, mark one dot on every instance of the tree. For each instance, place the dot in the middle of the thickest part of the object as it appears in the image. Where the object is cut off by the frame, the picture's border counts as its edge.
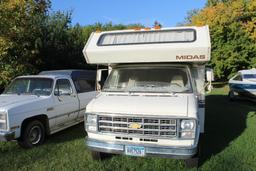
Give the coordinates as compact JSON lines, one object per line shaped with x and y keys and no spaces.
{"x":32,"y":39}
{"x":20,"y":22}
{"x":215,"y":2}
{"x":233,"y":35}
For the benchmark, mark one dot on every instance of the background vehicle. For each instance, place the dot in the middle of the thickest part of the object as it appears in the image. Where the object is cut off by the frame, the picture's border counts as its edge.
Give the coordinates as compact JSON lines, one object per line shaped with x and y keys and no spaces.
{"x":243,"y":85}
{"x":153,"y":101}
{"x":34,"y":106}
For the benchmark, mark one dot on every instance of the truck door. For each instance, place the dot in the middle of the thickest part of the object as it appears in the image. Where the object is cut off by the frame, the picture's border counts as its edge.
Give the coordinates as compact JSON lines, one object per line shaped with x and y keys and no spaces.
{"x":66,"y":102}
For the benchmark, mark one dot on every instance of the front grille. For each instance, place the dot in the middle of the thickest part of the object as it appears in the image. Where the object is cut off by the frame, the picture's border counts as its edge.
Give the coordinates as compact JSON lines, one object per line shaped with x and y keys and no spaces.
{"x":146,"y":126}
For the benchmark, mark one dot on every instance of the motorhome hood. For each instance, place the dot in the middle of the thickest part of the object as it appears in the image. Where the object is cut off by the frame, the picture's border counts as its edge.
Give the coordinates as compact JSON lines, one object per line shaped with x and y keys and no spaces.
{"x":177,"y":105}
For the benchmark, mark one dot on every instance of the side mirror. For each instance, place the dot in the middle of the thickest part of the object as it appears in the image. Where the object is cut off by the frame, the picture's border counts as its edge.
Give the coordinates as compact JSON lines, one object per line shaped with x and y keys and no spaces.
{"x":209,"y":79}
{"x":100,"y":78}
{"x":209,"y":75}
{"x":65,"y":94}
{"x":99,"y":75}
{"x":62,"y":93}
{"x":56,"y":93}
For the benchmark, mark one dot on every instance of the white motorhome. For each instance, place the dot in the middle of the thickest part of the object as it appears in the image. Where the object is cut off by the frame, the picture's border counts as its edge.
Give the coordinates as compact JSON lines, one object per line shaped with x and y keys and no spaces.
{"x":153,"y":100}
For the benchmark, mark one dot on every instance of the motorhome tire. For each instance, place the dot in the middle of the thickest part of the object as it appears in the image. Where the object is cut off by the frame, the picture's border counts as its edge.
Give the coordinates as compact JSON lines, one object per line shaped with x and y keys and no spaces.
{"x":32,"y":134}
{"x":194,"y":162}
{"x":96,"y":155}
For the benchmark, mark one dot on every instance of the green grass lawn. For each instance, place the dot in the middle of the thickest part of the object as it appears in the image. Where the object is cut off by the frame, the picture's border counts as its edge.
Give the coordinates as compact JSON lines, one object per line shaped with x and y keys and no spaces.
{"x":229,"y":144}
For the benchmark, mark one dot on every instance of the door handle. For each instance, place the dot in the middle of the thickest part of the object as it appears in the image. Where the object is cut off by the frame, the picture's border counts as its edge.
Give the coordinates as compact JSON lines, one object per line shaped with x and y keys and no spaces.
{"x":59,"y":99}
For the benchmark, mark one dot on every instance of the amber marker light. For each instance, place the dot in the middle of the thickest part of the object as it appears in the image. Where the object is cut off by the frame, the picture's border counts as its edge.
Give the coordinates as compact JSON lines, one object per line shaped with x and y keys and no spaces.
{"x":157,"y":27}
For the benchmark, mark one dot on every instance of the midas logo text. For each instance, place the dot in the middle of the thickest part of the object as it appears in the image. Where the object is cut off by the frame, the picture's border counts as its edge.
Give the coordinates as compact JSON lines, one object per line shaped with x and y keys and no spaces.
{"x":185,"y":57}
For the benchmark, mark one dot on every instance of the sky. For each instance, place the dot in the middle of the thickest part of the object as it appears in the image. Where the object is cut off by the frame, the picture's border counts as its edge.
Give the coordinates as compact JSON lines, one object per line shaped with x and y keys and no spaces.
{"x":146,"y":12}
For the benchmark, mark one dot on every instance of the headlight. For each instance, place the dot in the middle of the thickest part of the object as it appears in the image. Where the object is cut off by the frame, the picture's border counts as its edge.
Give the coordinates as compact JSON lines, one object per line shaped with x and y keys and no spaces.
{"x":91,"y":128}
{"x":91,"y":122}
{"x":3,"y":124}
{"x":91,"y":119}
{"x":187,"y":134}
{"x":187,"y":124}
{"x":187,"y":128}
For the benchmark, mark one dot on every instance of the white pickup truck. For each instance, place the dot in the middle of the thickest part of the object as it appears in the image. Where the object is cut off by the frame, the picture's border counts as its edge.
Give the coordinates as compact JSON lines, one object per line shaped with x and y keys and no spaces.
{"x":37,"y":105}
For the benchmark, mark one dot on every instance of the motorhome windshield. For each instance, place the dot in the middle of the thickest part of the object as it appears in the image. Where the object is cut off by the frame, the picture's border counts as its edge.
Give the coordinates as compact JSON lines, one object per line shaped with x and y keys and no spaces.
{"x":28,"y":86}
{"x":149,"y":79}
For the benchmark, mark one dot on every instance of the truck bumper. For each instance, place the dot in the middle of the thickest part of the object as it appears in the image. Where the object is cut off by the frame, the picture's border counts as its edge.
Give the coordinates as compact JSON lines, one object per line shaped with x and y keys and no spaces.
{"x":150,"y":149}
{"x":7,"y":135}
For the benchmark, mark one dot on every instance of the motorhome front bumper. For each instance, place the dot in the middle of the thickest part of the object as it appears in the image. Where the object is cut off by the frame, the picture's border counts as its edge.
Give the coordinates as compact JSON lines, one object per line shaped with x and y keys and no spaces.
{"x":150,"y":150}
{"x":7,"y":135}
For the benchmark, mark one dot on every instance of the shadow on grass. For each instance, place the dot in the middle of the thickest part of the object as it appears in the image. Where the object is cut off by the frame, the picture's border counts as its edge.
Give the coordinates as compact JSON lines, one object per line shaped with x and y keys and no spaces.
{"x":69,"y":134}
{"x":224,"y":122}
{"x":219,"y":84}
{"x":23,"y":158}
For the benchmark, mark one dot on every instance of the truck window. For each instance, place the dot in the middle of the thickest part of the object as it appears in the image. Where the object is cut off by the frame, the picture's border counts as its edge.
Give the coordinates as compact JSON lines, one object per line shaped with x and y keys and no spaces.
{"x":238,"y":78}
{"x":63,"y":87}
{"x":149,"y":79}
{"x":28,"y":86}
{"x":84,"y":85}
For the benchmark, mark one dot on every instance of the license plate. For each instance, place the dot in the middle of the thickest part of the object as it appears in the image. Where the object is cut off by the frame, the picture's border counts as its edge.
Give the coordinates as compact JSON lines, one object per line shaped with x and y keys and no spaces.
{"x":134,"y":151}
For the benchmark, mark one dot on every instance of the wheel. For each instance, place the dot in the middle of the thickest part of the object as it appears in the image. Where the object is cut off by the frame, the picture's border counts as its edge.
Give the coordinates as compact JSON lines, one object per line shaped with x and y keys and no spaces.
{"x":231,"y":95}
{"x":33,"y":134}
{"x":96,"y":155}
{"x":195,"y":161}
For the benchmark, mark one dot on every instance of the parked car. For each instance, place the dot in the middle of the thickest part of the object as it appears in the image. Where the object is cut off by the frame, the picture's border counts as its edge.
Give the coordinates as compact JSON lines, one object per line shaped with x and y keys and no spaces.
{"x":34,"y":106}
{"x":243,"y":85}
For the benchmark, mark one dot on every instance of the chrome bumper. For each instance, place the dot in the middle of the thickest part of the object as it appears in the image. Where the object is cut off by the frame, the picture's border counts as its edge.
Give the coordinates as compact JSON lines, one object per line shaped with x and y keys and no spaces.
{"x":7,"y":135}
{"x":150,"y":149}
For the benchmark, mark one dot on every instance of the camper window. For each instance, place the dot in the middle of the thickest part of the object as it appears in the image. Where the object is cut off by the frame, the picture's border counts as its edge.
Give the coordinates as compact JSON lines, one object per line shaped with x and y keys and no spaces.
{"x":147,"y":37}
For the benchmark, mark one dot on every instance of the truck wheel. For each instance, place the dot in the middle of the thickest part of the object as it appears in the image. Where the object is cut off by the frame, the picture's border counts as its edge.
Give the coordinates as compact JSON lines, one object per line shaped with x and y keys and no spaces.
{"x":33,"y":134}
{"x":96,"y":155}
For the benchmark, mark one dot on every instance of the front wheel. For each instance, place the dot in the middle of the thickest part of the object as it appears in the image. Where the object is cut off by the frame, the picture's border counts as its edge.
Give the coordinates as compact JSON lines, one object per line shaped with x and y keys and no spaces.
{"x":33,"y":134}
{"x":100,"y":155}
{"x":194,"y":162}
{"x":96,"y":155}
{"x":231,"y":95}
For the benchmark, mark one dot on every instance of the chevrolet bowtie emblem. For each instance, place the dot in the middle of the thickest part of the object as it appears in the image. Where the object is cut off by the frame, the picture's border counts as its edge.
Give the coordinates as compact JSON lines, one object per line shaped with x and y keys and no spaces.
{"x":135,"y":126}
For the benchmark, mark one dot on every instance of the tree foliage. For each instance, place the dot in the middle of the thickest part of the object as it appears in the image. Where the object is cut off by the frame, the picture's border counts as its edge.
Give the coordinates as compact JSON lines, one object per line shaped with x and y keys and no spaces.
{"x":32,"y":39}
{"x":233,"y":34}
{"x":18,"y":36}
